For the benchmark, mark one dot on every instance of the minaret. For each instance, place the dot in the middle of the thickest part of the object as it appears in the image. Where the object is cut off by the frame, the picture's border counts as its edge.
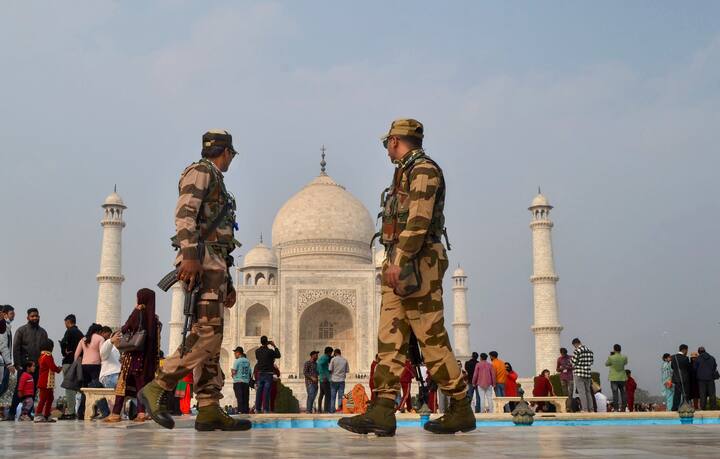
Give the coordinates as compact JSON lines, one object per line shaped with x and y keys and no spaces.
{"x":110,"y":277}
{"x":177,"y":318}
{"x":460,"y":325}
{"x":546,"y":327}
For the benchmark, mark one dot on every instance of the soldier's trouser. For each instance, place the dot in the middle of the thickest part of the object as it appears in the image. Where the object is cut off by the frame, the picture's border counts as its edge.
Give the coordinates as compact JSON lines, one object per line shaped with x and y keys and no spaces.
{"x":202,"y":352}
{"x":422,"y":313}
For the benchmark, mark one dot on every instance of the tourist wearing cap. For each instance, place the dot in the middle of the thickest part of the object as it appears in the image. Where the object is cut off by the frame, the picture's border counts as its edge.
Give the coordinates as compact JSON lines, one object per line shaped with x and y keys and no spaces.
{"x":311,"y":380}
{"x":413,"y":226}
{"x":205,"y":238}
{"x":241,"y":380}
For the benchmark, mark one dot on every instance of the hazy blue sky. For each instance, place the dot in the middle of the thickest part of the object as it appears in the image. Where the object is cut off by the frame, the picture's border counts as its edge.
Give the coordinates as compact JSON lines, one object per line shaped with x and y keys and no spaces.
{"x":611,"y":107}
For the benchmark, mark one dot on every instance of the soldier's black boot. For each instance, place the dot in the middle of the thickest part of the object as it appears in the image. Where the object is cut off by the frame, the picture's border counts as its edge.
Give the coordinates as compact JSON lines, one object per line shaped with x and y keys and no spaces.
{"x":154,"y":398}
{"x":459,"y":417}
{"x":214,"y":418}
{"x":379,"y":419}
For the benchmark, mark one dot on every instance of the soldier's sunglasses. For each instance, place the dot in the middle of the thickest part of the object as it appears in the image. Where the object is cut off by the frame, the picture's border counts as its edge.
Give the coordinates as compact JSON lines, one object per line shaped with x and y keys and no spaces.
{"x":385,"y":142}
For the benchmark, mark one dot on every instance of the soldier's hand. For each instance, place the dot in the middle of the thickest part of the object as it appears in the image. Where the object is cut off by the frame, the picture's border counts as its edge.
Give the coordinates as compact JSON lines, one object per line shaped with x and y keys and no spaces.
{"x":230,"y":299}
{"x":392,"y":275}
{"x":188,"y":272}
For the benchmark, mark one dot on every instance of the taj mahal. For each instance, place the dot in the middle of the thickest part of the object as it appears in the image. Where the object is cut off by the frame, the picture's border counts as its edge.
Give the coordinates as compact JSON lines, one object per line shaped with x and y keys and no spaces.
{"x":317,"y":284}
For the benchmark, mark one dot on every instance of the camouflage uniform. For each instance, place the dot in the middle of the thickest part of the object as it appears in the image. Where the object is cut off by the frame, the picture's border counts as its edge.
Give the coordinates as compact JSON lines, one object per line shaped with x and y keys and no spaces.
{"x":202,"y":198}
{"x":413,"y":224}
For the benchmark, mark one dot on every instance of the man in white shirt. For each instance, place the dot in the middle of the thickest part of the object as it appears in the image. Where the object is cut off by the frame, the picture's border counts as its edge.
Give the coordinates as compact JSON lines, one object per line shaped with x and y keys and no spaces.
{"x":339,"y":369}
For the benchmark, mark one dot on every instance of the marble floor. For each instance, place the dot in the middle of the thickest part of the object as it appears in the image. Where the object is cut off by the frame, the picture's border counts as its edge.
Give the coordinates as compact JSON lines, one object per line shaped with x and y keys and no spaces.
{"x":92,"y":441}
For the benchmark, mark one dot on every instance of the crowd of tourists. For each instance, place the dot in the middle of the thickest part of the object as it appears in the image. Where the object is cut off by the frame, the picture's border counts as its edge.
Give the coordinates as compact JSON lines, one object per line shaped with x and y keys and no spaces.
{"x":94,"y":360}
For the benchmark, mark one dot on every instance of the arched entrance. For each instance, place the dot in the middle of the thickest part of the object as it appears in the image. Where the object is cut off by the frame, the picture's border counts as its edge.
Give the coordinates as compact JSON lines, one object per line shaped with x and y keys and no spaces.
{"x":327,"y":323}
{"x":257,"y":320}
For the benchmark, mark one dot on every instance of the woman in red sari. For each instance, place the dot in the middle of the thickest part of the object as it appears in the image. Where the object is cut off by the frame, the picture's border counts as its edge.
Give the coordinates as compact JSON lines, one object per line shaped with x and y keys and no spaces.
{"x":511,"y":385}
{"x":138,"y":367}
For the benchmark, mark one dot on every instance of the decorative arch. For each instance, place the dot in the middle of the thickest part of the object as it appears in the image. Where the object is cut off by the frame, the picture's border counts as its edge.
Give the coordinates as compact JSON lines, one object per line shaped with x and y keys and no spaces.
{"x":248,"y":279}
{"x":271,"y":279}
{"x":260,"y":279}
{"x":257,"y":320}
{"x":327,"y":323}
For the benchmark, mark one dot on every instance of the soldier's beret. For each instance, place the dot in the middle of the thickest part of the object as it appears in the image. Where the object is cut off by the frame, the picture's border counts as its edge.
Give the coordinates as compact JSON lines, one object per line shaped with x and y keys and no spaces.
{"x":405,"y":127}
{"x":218,"y":138}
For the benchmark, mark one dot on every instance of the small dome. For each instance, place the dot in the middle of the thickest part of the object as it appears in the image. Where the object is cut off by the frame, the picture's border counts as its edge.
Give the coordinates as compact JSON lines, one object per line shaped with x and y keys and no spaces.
{"x":260,"y":256}
{"x":380,"y":257}
{"x":459,"y":272}
{"x":540,"y":201}
{"x":114,"y":200}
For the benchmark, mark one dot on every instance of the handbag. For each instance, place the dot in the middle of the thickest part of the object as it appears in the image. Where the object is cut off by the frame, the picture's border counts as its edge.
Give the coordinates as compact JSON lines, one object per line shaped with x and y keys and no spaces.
{"x":130,"y":342}
{"x":73,"y":377}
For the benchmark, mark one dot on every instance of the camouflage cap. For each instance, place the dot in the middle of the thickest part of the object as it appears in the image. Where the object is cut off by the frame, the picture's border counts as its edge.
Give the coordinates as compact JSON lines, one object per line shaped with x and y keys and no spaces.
{"x":405,"y":127}
{"x":218,"y":138}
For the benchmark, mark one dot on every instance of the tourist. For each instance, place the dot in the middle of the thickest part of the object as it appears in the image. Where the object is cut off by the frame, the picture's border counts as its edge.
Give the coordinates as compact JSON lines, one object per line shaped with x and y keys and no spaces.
{"x":109,"y":360}
{"x":138,"y":367}
{"x":68,"y":345}
{"x":183,"y":394}
{"x":601,"y":401}
{"x":472,"y":390}
{"x":371,"y":382}
{"x":27,"y":342}
{"x":707,"y":372}
{"x":46,"y":382}
{"x":565,"y":369}
{"x":542,"y":387}
{"x":323,"y":365}
{"x":88,"y":351}
{"x":666,"y":383}
{"x":311,"y":381}
{"x":500,"y":374}
{"x":484,"y":382}
{"x":26,"y":389}
{"x":680,"y":377}
{"x":265,"y":368}
{"x":582,"y":361}
{"x":275,"y":387}
{"x":240,"y":373}
{"x":339,"y":368}
{"x":617,"y":377}
{"x":8,"y":375}
{"x":630,"y":388}
{"x":406,"y":379}
{"x":694,"y":386}
{"x":511,"y":386}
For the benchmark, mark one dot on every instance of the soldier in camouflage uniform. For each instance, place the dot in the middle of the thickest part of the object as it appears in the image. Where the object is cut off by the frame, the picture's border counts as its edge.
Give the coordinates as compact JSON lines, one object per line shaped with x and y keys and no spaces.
{"x":413,"y":225}
{"x":205,"y":213}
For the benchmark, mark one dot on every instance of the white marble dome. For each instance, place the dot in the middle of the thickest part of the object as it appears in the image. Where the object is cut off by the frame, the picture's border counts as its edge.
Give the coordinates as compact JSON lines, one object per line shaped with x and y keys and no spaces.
{"x":260,"y":256}
{"x":459,"y":272}
{"x":322,"y":211}
{"x":114,"y":199}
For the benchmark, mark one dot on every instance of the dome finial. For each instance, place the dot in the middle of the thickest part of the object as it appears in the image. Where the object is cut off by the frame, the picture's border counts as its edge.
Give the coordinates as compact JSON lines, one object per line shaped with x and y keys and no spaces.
{"x":115,"y":189}
{"x":322,"y":162}
{"x":261,"y":241}
{"x":539,"y":191}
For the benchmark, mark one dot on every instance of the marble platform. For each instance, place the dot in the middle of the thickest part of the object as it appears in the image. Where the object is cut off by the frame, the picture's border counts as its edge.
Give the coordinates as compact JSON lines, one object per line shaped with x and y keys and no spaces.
{"x":93,"y":440}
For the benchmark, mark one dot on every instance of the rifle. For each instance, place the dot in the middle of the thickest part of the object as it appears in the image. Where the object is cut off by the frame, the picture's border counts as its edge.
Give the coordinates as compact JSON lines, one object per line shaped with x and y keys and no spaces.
{"x":191,"y":298}
{"x":417,"y":360}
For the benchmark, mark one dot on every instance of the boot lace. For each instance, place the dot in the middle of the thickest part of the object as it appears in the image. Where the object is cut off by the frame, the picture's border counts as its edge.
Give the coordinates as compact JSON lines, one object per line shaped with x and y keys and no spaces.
{"x":162,"y":401}
{"x":448,"y":412}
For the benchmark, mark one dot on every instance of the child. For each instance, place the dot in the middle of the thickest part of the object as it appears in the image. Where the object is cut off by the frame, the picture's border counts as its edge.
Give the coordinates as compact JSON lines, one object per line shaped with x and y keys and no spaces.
{"x":46,"y":382}
{"x":26,"y":390}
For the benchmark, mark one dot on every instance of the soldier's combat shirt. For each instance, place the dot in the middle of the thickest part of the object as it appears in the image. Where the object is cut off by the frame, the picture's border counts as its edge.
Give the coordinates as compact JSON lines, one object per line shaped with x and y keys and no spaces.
{"x":202,"y":198}
{"x":419,"y":185}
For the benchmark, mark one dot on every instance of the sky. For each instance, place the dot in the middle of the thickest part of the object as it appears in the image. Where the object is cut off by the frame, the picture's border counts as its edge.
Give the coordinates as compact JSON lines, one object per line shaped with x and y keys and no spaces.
{"x":612,"y":108}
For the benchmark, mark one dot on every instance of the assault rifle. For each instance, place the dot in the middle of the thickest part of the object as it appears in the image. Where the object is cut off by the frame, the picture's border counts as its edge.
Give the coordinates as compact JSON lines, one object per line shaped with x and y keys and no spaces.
{"x":417,"y":360}
{"x":191,"y":298}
